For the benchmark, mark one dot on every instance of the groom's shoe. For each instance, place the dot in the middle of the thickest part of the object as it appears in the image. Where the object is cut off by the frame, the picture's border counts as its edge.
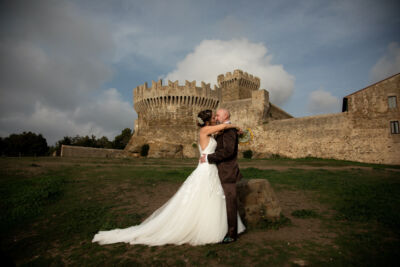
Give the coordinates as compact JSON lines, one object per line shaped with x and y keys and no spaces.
{"x":228,"y":239}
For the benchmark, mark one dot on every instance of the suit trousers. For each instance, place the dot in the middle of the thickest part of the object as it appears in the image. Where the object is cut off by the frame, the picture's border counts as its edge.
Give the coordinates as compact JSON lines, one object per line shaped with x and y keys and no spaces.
{"x":231,"y":208}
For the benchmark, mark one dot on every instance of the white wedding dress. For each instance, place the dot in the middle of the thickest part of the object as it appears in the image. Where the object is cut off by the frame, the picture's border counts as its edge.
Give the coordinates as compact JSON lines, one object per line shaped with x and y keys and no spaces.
{"x":196,"y":214}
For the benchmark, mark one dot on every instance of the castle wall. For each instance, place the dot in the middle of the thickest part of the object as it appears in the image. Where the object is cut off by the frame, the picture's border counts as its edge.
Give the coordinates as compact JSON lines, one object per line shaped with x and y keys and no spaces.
{"x":90,"y":152}
{"x":249,"y":112}
{"x":167,"y":121}
{"x":326,"y":136}
{"x":275,"y":113}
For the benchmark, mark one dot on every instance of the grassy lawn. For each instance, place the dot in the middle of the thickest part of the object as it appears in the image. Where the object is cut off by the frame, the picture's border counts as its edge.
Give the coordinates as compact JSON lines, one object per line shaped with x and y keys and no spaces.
{"x":52,"y":207}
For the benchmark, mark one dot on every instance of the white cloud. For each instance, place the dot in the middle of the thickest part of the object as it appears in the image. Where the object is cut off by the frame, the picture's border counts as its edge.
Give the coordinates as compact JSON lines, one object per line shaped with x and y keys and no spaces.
{"x":213,"y":57}
{"x":388,"y":64}
{"x":321,"y":101}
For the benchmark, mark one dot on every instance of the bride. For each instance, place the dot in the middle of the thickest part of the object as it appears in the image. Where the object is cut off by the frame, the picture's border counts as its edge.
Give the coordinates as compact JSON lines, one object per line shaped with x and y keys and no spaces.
{"x":195,"y":214}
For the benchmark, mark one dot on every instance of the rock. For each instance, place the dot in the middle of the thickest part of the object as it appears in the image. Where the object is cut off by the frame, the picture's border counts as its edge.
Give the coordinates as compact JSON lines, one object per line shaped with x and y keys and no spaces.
{"x":257,"y":201}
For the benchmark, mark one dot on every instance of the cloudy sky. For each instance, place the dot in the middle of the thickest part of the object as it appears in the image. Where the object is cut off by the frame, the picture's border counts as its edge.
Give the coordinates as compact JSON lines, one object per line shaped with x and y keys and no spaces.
{"x":69,"y":67}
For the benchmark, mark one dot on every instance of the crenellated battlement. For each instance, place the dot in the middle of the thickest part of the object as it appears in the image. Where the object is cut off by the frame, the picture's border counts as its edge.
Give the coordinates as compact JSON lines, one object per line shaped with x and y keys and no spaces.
{"x":174,"y":94}
{"x":243,"y":78}
{"x":173,"y":88}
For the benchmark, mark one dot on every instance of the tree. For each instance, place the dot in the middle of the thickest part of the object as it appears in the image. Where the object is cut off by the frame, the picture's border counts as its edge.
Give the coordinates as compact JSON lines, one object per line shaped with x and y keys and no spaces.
{"x":2,"y":146}
{"x":120,"y":141}
{"x":103,"y":142}
{"x":24,"y":144}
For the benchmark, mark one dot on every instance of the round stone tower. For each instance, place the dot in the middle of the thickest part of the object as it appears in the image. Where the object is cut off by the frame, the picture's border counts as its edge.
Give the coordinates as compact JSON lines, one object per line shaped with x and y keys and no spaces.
{"x":168,"y":114}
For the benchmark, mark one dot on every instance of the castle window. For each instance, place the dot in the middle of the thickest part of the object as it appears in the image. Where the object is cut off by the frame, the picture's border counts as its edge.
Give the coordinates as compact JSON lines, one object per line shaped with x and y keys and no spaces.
{"x":392,"y":101}
{"x":345,"y":106}
{"x":394,"y":127}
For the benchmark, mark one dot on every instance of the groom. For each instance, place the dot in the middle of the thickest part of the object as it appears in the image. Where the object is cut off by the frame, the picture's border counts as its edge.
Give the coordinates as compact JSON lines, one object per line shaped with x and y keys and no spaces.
{"x":225,"y":157}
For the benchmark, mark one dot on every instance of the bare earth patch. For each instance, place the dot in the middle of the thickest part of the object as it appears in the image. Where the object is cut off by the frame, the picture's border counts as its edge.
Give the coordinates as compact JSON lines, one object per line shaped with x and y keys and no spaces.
{"x":146,"y":199}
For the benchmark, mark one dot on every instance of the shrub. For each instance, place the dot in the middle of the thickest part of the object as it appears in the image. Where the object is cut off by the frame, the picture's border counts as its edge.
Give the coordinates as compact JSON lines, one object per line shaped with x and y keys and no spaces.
{"x":144,"y":151}
{"x":248,"y":154}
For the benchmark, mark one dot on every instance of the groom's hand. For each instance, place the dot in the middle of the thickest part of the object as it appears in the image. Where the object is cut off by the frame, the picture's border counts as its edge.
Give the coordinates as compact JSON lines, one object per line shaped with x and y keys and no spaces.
{"x":203,"y":158}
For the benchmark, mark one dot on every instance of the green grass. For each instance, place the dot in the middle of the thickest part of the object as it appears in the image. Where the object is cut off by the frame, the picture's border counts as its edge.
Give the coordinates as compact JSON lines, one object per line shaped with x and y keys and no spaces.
{"x":357,"y":195}
{"x":52,"y":207}
{"x":311,"y":161}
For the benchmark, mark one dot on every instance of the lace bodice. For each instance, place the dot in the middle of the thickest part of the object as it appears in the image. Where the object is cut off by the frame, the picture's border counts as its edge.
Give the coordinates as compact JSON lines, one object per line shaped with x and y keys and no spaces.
{"x":210,"y":148}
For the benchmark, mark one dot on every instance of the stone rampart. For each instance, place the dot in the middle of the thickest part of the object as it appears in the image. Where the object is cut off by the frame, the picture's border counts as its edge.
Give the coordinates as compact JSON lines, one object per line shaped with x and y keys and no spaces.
{"x":325,"y":136}
{"x":90,"y":152}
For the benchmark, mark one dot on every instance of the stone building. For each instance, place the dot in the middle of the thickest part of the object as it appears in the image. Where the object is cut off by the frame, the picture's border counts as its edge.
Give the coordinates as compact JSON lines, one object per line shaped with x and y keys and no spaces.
{"x":367,"y":129}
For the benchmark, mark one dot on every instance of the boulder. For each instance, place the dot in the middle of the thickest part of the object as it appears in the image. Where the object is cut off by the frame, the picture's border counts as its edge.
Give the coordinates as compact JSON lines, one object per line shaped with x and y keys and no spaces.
{"x":257,"y":201}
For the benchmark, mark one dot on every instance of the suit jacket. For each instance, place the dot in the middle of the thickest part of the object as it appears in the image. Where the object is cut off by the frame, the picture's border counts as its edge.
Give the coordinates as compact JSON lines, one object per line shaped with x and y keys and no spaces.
{"x":225,"y":156}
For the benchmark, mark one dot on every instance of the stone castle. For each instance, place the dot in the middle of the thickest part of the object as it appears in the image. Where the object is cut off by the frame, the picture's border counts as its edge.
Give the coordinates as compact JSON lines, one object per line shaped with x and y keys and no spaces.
{"x":364,"y":131}
{"x":167,"y":113}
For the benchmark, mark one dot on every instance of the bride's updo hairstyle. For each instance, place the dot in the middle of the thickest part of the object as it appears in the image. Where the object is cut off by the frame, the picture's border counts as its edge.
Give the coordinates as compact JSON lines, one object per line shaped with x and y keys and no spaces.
{"x":203,"y":117}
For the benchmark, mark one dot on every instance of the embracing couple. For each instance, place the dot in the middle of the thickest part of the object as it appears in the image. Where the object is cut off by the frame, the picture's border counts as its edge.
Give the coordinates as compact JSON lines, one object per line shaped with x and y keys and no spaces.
{"x":204,"y":209}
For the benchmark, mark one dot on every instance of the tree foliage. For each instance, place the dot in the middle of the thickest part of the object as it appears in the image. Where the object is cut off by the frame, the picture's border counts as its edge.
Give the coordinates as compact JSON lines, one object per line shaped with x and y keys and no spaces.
{"x":119,"y":142}
{"x":31,"y":144}
{"x":24,"y":144}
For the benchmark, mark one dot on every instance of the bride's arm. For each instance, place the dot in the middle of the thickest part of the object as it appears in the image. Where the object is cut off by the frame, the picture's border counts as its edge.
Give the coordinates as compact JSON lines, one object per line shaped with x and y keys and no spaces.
{"x":206,"y":130}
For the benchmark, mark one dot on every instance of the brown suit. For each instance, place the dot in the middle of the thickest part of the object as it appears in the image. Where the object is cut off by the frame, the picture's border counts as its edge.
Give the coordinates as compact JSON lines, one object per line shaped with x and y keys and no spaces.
{"x":225,"y":156}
